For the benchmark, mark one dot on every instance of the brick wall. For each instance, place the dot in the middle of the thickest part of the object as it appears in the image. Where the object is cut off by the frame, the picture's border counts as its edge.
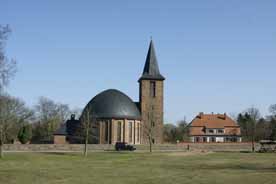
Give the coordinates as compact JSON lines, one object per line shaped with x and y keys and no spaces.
{"x":59,"y":139}
{"x":146,"y":103}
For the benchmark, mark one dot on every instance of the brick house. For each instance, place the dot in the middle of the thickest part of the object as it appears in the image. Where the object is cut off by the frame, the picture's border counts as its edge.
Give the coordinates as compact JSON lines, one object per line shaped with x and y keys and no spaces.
{"x":214,"y":128}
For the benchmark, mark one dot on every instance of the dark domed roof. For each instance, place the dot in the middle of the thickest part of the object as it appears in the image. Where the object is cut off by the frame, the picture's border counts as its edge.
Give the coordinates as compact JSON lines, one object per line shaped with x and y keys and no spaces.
{"x":113,"y":104}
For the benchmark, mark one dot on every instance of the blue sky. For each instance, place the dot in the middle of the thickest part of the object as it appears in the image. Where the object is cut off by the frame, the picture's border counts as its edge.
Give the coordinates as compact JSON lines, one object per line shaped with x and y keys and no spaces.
{"x":217,"y":55}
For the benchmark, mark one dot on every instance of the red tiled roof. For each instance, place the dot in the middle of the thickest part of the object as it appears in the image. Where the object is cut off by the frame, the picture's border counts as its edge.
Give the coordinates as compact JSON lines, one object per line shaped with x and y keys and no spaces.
{"x":202,"y":121}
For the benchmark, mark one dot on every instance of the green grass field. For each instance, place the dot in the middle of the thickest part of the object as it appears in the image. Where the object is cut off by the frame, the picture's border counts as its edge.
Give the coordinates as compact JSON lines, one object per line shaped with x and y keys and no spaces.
{"x":120,"y":168}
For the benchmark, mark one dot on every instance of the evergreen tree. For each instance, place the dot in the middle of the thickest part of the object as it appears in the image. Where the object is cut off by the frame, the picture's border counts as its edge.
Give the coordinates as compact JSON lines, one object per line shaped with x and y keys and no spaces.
{"x":25,"y":134}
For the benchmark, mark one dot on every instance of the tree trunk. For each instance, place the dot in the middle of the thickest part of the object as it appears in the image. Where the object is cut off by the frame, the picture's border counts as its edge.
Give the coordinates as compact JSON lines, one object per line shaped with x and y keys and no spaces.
{"x":253,"y":145}
{"x":150,"y":144}
{"x":1,"y":142}
{"x":1,"y":151}
{"x":253,"y":138}
{"x":86,"y":142}
{"x":150,"y":141}
{"x":86,"y":134}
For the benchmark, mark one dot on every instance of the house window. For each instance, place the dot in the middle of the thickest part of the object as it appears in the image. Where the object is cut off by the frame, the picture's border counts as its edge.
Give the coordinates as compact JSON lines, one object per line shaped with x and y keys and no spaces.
{"x":152,"y":88}
{"x":119,"y":128}
{"x":197,"y":139}
{"x":220,"y":131}
{"x":204,"y":139}
{"x":130,"y":131}
{"x":232,"y":139}
{"x":213,"y":139}
{"x":211,"y":131}
{"x":152,"y":124}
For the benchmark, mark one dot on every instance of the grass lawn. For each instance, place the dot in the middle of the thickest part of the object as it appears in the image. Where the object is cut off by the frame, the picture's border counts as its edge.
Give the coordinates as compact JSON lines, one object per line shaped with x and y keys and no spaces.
{"x":120,"y":168}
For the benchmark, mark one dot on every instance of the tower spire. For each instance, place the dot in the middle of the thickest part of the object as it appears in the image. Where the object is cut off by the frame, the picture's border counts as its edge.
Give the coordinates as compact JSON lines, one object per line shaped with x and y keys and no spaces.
{"x":151,"y":69}
{"x":151,"y":98}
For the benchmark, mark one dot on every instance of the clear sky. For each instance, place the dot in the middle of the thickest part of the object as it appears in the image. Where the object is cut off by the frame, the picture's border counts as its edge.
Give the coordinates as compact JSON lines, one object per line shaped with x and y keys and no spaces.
{"x":217,"y":55}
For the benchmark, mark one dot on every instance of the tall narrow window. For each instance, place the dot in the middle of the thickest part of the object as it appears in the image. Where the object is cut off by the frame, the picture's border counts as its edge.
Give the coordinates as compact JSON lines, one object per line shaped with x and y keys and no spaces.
{"x":130,"y":132}
{"x":124,"y":132}
{"x":152,"y":88}
{"x":106,"y":131}
{"x":119,"y":127}
{"x":134,"y":132}
{"x":138,"y":132}
{"x":110,"y":132}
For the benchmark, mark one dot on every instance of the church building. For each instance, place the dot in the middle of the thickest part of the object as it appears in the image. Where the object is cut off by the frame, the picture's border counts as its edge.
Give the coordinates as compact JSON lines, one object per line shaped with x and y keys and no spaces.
{"x":113,"y":117}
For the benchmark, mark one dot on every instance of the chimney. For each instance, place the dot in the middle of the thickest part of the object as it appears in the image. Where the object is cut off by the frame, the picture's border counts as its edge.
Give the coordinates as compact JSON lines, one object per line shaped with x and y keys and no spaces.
{"x":224,"y":115}
{"x":201,"y":115}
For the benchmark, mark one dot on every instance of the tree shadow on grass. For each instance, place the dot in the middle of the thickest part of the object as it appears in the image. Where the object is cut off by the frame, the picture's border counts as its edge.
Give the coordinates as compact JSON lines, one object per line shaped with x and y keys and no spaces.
{"x":61,"y":153}
{"x":248,"y":167}
{"x":235,"y":167}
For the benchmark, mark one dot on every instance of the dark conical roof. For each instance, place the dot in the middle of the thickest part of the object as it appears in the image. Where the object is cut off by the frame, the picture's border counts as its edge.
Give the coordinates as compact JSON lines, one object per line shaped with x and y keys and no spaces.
{"x":113,"y":104}
{"x":151,"y":69}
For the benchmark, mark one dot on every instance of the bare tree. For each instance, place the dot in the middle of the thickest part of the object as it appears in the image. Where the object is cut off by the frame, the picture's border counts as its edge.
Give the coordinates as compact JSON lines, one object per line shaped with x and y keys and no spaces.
{"x":7,"y":66}
{"x":252,"y":116}
{"x":149,"y":126}
{"x":176,"y":133}
{"x":150,"y":130}
{"x":87,"y":122}
{"x":170,"y":133}
{"x":183,"y":130}
{"x":50,"y":116}
{"x":272,"y":109}
{"x":7,"y":71}
{"x":13,"y":115}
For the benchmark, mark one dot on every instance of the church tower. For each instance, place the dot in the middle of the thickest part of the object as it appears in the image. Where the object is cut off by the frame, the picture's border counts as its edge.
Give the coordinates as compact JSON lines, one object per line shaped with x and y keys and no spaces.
{"x":151,"y":99}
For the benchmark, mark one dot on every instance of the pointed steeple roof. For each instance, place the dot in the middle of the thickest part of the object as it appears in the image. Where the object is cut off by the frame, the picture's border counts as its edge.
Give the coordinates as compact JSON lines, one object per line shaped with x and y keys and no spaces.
{"x":151,"y":69}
